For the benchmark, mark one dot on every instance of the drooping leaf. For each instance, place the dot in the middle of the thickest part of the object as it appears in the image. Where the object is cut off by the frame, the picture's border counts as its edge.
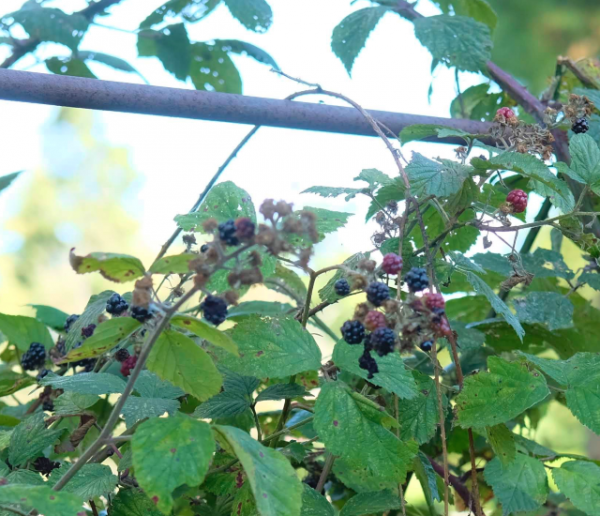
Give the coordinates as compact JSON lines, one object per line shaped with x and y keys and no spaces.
{"x":350,"y":36}
{"x":91,"y":481}
{"x":22,"y":331}
{"x":428,"y":177}
{"x":428,"y":480}
{"x":212,"y":69}
{"x":520,"y":485}
{"x":106,"y":336}
{"x":333,"y":191}
{"x":497,"y":396}
{"x":5,"y":181}
{"x":114,"y":62}
{"x":112,"y":266}
{"x":171,"y":45}
{"x":369,"y":503}
{"x":456,"y":41}
{"x":272,"y":348}
{"x":178,"y":359}
{"x":274,"y":483}
{"x":69,"y":66}
{"x":579,"y":481}
{"x":86,"y":383}
{"x":314,"y":503}
{"x":225,"y":201}
{"x":133,"y":502}
{"x":482,"y":288}
{"x":42,"y":498}
{"x":30,"y":438}
{"x":169,"y":452}
{"x":50,"y":316}
{"x":206,"y":332}
{"x":255,"y":15}
{"x":281,"y":391}
{"x":353,"y":428}
{"x":502,"y":441}
{"x":392,"y":374}
{"x":176,"y":264}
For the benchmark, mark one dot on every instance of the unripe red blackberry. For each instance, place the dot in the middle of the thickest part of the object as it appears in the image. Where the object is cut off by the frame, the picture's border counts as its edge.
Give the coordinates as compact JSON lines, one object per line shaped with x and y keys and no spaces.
{"x":441,"y":328}
{"x":128,"y":365}
{"x":122,"y":355}
{"x":374,"y":320}
{"x":392,"y":263}
{"x":518,"y":200}
{"x":244,"y":229}
{"x":506,"y":112}
{"x":434,"y":301}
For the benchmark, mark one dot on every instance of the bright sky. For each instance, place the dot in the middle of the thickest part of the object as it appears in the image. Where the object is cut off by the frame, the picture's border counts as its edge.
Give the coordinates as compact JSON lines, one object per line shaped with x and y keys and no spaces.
{"x":177,"y":157}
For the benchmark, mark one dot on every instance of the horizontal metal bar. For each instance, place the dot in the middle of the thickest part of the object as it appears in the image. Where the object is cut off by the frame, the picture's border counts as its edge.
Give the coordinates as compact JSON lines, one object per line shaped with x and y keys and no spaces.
{"x":77,"y":92}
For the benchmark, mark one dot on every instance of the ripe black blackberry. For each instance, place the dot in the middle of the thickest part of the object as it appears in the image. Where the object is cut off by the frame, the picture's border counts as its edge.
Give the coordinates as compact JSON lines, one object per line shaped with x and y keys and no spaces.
{"x":383,"y":340}
{"x":377,"y":293}
{"x":367,"y":362}
{"x":342,"y":287}
{"x":34,"y":357}
{"x":353,"y":332}
{"x":122,"y":355}
{"x":204,"y":248}
{"x":417,"y":279}
{"x":69,"y":322}
{"x":140,"y":314}
{"x":42,"y":374}
{"x":580,"y":126}
{"x":227,"y":232}
{"x":88,"y":331}
{"x":215,"y":309}
{"x":48,"y":406}
{"x":426,"y":346}
{"x":116,"y":305}
{"x":45,"y":466}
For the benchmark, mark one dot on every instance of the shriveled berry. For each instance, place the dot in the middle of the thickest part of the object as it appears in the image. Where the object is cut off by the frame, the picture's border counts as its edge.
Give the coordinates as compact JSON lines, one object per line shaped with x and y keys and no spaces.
{"x":374,"y":320}
{"x":48,"y":406}
{"x":377,"y":293}
{"x":383,"y":340}
{"x":353,"y":332}
{"x":441,"y":328}
{"x":244,"y":229}
{"x":69,"y":322}
{"x":368,"y":363}
{"x":122,"y":355}
{"x":342,"y":287}
{"x":215,"y":309}
{"x":426,"y":346}
{"x":506,"y":112}
{"x":227,"y":232}
{"x":434,"y":301}
{"x":140,"y":314}
{"x":88,"y":331}
{"x":34,"y":357}
{"x":580,"y":126}
{"x":45,"y":466}
{"x":392,"y":263}
{"x":417,"y":279}
{"x":116,"y":305}
{"x":518,"y":200}
{"x":128,"y":364}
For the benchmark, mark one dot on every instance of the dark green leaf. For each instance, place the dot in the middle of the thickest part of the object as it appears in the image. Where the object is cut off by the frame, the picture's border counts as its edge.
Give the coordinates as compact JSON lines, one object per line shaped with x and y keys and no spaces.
{"x":246,"y":49}
{"x":429,"y":177}
{"x":50,"y":316}
{"x":464,"y":105}
{"x":213,"y":70}
{"x":480,"y":10}
{"x":69,"y":66}
{"x":314,"y":503}
{"x":191,"y":10}
{"x":149,"y":385}
{"x":22,"y":331}
{"x":42,"y":498}
{"x":468,"y":338}
{"x":502,"y":441}
{"x":327,"y":293}
{"x":374,"y":177}
{"x":549,"y":308}
{"x":137,"y":408}
{"x":281,"y":391}
{"x":585,"y":160}
{"x":580,"y":482}
{"x":428,"y":480}
{"x":30,"y":438}
{"x":133,"y":502}
{"x":71,"y":402}
{"x":91,"y":481}
{"x":255,"y":15}
{"x":93,"y":310}
{"x":114,"y":62}
{"x":224,"y":404}
{"x":369,"y":503}
{"x":86,"y":383}
{"x":5,"y":181}
{"x":171,"y":45}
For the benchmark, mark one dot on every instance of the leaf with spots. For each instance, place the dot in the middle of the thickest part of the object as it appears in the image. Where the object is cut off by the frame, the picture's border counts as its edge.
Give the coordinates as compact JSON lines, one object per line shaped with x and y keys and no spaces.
{"x":106,"y":337}
{"x":502,"y":441}
{"x":314,"y":503}
{"x":356,"y":429}
{"x":29,"y":438}
{"x":255,"y":15}
{"x":171,"y":45}
{"x":169,"y":452}
{"x":392,"y":374}
{"x":133,"y":502}
{"x":206,"y":332}
{"x":225,"y":201}
{"x":69,"y":403}
{"x":276,"y":487}
{"x":176,"y":264}
{"x":91,"y":481}
{"x":43,"y":499}
{"x":521,"y":485}
{"x":579,"y":481}
{"x":497,"y":396}
{"x":551,"y":309}
{"x":177,"y":359}
{"x":272,"y":347}
{"x":369,"y":503}
{"x":282,"y":391}
{"x":119,"y":268}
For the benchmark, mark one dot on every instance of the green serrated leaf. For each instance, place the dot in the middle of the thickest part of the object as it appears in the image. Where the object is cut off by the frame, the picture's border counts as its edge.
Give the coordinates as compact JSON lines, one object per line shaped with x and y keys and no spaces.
{"x":272,"y":348}
{"x":580,"y":482}
{"x":22,"y":331}
{"x":480,"y":10}
{"x":112,"y":266}
{"x":178,"y":359}
{"x":69,"y":66}
{"x":327,"y":293}
{"x":42,"y":498}
{"x":585,"y":160}
{"x":442,"y":179}
{"x":502,"y":441}
{"x":521,"y":485}
{"x":314,"y":503}
{"x":213,"y":70}
{"x":351,"y":35}
{"x":468,"y":338}
{"x":374,"y":177}
{"x":169,"y":452}
{"x":225,"y":201}
{"x":456,"y":41}
{"x":70,"y":402}
{"x":50,"y":316}
{"x":369,"y":503}
{"x":328,"y":221}
{"x":133,"y":502}
{"x":137,"y":408}
{"x":255,"y":15}
{"x":11,"y":382}
{"x":428,"y":480}
{"x":86,"y":383}
{"x":264,"y":308}
{"x":497,"y":396}
{"x":224,"y":404}
{"x":176,"y":264}
{"x":149,"y":385}
{"x":333,"y":191}
{"x":95,"y":307}
{"x":171,"y":45}
{"x":549,"y":308}
{"x":352,"y":428}
{"x":282,"y":391}
{"x":213,"y":335}
{"x":392,"y":374}
{"x":91,"y":481}
{"x":30,"y":438}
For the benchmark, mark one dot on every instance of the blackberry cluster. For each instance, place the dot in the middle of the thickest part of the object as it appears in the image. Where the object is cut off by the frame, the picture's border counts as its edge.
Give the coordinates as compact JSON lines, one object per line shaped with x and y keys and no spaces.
{"x":353,"y":332}
{"x":122,"y":355}
{"x":69,"y":322}
{"x":342,"y":287}
{"x":227,"y":232}
{"x":391,"y":264}
{"x":116,"y":305}
{"x":88,"y":331}
{"x":140,"y":314}
{"x":128,"y":364}
{"x":215,"y":309}
{"x":426,"y":346}
{"x":34,"y":357}
{"x":383,"y":340}
{"x":417,"y":279}
{"x":374,"y":320}
{"x":368,"y":363}
{"x":518,"y":200}
{"x":580,"y":126}
{"x":45,"y":466}
{"x":377,"y":293}
{"x":506,"y":112}
{"x":434,"y":301}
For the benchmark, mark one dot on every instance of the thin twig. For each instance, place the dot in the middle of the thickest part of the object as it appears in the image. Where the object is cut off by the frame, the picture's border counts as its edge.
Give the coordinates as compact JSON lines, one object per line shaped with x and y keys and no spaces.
{"x":325,"y":473}
{"x":256,"y":422}
{"x":442,"y":422}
